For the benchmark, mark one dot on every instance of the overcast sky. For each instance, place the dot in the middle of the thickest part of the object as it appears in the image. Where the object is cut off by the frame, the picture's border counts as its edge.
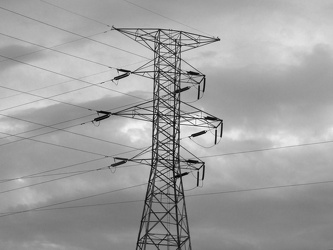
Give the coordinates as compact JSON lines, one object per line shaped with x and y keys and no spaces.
{"x":269,"y":181}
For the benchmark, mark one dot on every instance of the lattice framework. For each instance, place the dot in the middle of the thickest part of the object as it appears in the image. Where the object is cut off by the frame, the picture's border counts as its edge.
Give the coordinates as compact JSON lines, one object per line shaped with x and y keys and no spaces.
{"x":164,"y":222}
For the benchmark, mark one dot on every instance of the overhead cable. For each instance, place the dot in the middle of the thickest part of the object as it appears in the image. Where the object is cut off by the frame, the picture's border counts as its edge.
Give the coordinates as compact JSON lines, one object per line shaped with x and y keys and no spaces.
{"x":58,"y":51}
{"x":59,"y":129}
{"x":70,"y":32}
{"x":75,"y":13}
{"x":3,"y":214}
{"x":268,"y":149}
{"x":57,"y":45}
{"x":50,"y":170}
{"x":61,"y":74}
{"x":46,"y":98}
{"x":156,"y":13}
{"x":49,"y":207}
{"x":55,"y":145}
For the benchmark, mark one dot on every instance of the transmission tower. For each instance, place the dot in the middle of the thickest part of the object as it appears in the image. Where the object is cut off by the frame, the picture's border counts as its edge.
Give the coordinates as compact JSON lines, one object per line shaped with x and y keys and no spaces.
{"x":164,"y":222}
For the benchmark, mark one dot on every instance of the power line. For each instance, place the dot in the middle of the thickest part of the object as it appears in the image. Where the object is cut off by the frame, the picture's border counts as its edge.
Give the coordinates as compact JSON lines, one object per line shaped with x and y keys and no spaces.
{"x":262,"y":188}
{"x":68,"y":175}
{"x":45,"y":172}
{"x":46,"y":98}
{"x":58,"y":45}
{"x":156,"y":13}
{"x":56,"y":179}
{"x":75,"y":13}
{"x":56,"y":129}
{"x":58,"y":51}
{"x":48,"y":207}
{"x":63,"y":93}
{"x":59,"y":83}
{"x":55,"y":145}
{"x":59,"y":129}
{"x":70,"y":32}
{"x":65,"y":147}
{"x":45,"y":175}
{"x":52,"y":85}
{"x":61,"y":74}
{"x":234,"y":153}
{"x":47,"y":70}
{"x":91,"y":205}
{"x":268,"y":149}
{"x":49,"y":86}
{"x":50,"y":170}
{"x":4,"y":214}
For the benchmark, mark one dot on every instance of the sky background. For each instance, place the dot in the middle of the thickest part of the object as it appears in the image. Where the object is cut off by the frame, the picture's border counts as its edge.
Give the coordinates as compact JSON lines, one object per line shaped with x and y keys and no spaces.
{"x":269,"y":181}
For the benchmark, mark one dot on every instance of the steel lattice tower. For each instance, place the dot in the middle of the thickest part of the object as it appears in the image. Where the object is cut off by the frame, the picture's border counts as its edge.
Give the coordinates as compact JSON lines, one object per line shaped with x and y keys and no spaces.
{"x":164,"y":223}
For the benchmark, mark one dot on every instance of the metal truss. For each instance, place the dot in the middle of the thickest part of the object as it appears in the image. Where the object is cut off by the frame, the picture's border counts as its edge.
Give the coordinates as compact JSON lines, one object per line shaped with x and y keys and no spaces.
{"x":164,"y":222}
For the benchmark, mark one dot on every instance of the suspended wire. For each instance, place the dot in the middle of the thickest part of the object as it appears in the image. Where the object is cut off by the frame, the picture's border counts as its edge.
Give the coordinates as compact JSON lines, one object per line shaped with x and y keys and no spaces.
{"x":58,"y":129}
{"x":52,"y":85}
{"x":49,"y":86}
{"x":262,"y":188}
{"x":268,"y":149}
{"x":75,"y":13}
{"x":63,"y":129}
{"x":68,"y":175}
{"x":215,"y":193}
{"x":58,"y":45}
{"x":173,"y":20}
{"x":4,"y":214}
{"x":50,"y":170}
{"x":61,"y":74}
{"x":44,"y":174}
{"x":23,"y":138}
{"x":62,"y":146}
{"x":2,"y":181}
{"x":257,"y":150}
{"x":56,"y":179}
{"x":46,"y":98}
{"x":53,"y":144}
{"x":73,"y":79}
{"x":61,"y":173}
{"x":71,"y":32}
{"x":234,"y":153}
{"x":58,"y":51}
{"x":30,"y":65}
{"x":91,"y":205}
{"x":49,"y":207}
{"x":55,"y":129}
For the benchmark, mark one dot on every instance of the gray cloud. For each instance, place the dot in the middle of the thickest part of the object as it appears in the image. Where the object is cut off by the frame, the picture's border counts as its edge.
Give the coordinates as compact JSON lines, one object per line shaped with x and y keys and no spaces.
{"x":269,"y":79}
{"x":275,"y":98}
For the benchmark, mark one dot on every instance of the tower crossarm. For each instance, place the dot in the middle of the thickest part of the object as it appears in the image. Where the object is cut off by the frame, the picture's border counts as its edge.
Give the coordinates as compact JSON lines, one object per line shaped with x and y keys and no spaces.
{"x":148,"y":36}
{"x":186,"y":166}
{"x":187,"y":78}
{"x":192,"y":117}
